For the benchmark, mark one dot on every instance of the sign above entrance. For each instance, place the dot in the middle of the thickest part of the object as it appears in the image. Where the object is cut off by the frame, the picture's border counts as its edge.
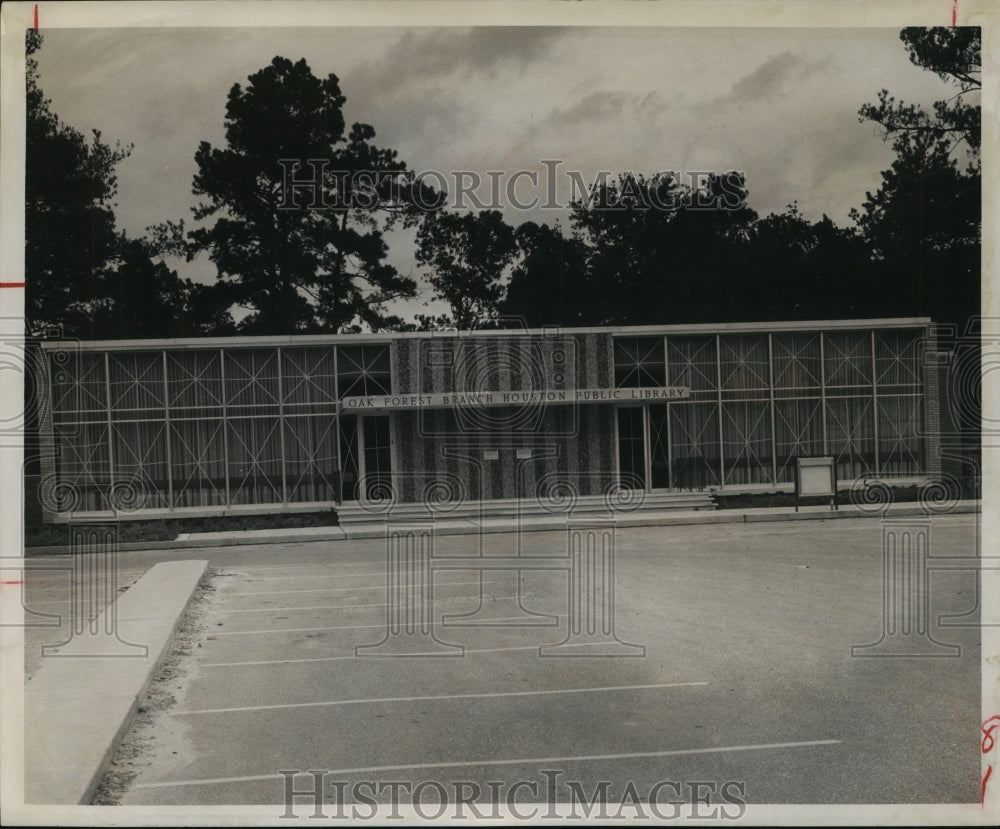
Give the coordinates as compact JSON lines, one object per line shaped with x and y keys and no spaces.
{"x":481,"y":399}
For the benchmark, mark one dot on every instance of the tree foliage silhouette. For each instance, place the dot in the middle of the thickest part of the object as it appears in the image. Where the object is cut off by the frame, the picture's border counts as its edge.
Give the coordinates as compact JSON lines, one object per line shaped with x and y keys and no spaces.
{"x":954,"y":55}
{"x":299,"y":257}
{"x":549,"y":285}
{"x":923,"y":224}
{"x":467,"y":256}
{"x":82,"y":274}
{"x":661,"y":251}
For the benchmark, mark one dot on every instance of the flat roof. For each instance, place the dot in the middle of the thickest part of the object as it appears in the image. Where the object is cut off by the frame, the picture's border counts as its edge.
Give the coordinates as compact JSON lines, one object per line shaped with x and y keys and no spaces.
{"x":181,"y":343}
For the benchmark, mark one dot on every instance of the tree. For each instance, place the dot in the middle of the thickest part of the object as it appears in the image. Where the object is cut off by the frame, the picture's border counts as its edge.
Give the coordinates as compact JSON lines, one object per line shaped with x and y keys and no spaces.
{"x":799,"y":270}
{"x":81,"y":273}
{"x":923,"y":224}
{"x":954,"y":55}
{"x":70,"y":231}
{"x":923,"y":229}
{"x":467,"y":255}
{"x":549,"y":284}
{"x":659,"y":251}
{"x":299,"y":256}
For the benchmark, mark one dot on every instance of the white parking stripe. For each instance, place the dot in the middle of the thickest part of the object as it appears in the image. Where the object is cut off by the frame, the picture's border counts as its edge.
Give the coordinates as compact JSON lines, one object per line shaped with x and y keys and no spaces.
{"x":344,"y":627}
{"x":241,"y":568}
{"x":330,"y":606}
{"x":583,"y":758}
{"x":312,"y":578}
{"x":306,"y":590}
{"x":291,"y":630}
{"x":378,"y":700}
{"x":336,"y":589}
{"x":336,"y":658}
{"x":309,"y":607}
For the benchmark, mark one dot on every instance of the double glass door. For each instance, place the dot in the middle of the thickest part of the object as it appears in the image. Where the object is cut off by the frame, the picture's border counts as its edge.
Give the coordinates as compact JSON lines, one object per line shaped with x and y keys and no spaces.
{"x":632,"y":461}
{"x":643,"y":451}
{"x":365,"y":457}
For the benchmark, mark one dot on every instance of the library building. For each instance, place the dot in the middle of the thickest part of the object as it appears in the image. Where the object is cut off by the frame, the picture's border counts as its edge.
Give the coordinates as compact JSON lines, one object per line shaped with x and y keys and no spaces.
{"x":433,"y":422}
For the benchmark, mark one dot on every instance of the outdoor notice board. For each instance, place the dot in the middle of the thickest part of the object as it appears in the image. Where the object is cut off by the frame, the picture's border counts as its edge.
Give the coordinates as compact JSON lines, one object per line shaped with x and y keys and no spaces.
{"x":815,"y":477}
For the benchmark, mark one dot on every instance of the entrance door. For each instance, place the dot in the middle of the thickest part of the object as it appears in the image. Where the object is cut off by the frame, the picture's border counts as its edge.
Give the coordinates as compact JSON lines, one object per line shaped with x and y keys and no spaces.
{"x":350,"y":464}
{"x":660,"y":473}
{"x":365,"y":456}
{"x":377,"y":455}
{"x":632,"y":447}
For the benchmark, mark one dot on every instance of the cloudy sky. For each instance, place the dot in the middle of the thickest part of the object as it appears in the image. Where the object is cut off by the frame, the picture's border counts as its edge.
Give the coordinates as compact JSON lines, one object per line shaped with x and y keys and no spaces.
{"x":779,"y":104}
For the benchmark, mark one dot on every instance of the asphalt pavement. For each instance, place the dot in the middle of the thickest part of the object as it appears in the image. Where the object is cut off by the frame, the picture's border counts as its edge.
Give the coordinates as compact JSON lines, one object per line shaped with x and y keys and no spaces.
{"x":740,"y":673}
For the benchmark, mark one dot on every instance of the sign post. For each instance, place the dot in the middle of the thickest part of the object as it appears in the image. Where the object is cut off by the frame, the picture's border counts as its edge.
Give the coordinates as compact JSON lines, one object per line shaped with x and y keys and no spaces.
{"x":816,"y":477}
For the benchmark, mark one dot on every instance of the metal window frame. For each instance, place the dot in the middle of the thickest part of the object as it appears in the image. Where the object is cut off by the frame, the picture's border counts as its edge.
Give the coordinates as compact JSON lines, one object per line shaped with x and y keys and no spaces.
{"x":111,"y":451}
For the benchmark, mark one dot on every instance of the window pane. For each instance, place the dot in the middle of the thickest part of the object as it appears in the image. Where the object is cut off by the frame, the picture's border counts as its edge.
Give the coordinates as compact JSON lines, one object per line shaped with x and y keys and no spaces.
{"x":898,"y":360}
{"x":848,"y":358}
{"x":363,"y":369}
{"x":308,"y":377}
{"x":693,"y":363}
{"x":851,"y":436}
{"x":899,"y":435}
{"x":796,"y":362}
{"x":798,"y":432}
{"x":136,"y":384}
{"x":746,"y":443}
{"x":311,"y":458}
{"x":639,"y":362}
{"x":254,"y":446}
{"x":694,"y":439}
{"x":744,"y":366}
{"x":194,"y":381}
{"x":252,"y":379}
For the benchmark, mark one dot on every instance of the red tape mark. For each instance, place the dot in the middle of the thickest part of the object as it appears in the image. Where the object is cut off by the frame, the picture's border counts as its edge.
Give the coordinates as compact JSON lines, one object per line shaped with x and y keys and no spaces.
{"x":6,"y":581}
{"x":36,"y":17}
{"x":954,"y":13}
{"x":11,"y":284}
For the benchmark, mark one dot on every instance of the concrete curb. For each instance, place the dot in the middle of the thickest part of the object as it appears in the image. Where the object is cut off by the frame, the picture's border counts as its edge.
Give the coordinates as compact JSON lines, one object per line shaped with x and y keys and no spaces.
{"x":664,"y":519}
{"x":532,"y":524}
{"x":78,"y":709}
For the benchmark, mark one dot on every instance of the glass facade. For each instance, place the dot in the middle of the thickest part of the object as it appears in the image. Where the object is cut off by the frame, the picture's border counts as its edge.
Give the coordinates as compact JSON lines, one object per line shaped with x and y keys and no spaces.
{"x":759,"y":400}
{"x":200,"y":428}
{"x":203,"y":427}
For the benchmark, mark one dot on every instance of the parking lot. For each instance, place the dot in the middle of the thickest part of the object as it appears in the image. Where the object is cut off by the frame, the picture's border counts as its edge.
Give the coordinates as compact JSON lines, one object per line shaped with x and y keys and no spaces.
{"x":745,"y":678}
{"x":60,"y":602}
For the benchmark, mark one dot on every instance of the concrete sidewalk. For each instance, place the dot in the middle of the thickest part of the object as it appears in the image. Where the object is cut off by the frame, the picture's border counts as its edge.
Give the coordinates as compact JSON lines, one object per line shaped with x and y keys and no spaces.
{"x":534,"y":523}
{"x":83,"y":698}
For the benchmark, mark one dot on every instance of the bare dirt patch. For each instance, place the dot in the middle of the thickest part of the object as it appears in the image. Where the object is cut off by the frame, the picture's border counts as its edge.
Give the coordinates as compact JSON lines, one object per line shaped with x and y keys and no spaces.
{"x":155,"y":738}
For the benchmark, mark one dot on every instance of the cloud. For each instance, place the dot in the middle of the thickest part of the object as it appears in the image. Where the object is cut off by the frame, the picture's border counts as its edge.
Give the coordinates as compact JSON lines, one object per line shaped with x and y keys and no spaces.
{"x":772,"y":78}
{"x":425,"y":56}
{"x":415,"y":125}
{"x":597,"y":106}
{"x":605,"y":106}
